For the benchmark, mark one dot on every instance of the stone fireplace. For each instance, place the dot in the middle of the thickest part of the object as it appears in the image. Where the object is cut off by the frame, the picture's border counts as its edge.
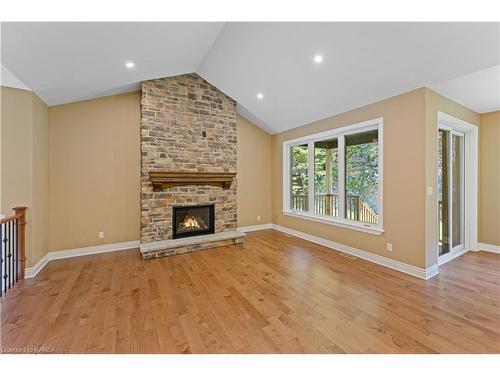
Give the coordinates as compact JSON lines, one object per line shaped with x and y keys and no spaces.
{"x":188,"y":160}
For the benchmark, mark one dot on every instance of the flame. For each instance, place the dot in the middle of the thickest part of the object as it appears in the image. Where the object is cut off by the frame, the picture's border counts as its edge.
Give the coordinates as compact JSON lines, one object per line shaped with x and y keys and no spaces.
{"x":190,"y":223}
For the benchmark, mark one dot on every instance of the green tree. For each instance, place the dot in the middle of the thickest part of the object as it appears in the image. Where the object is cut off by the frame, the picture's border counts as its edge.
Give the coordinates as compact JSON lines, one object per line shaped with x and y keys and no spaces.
{"x":361,"y":171}
{"x":299,"y":170}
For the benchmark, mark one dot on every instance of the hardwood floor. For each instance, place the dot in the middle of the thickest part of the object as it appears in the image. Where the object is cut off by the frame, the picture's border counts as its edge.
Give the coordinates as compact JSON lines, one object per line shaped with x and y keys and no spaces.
{"x":274,"y":294}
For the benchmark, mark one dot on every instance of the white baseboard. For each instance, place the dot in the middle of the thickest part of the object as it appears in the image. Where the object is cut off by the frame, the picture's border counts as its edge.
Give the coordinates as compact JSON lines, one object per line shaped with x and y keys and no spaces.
{"x":251,"y":228}
{"x":489,"y":247}
{"x":378,"y":259}
{"x":422,"y":273}
{"x":63,"y":254}
{"x":431,"y":271}
{"x":32,"y":271}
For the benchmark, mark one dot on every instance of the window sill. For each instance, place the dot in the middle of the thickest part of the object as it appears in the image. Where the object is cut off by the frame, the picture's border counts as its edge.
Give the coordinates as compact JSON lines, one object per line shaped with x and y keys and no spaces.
{"x":326,"y":220}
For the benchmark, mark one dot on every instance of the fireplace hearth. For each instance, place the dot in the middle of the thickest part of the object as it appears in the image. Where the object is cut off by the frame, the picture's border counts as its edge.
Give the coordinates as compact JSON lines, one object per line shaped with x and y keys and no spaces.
{"x":189,"y":221}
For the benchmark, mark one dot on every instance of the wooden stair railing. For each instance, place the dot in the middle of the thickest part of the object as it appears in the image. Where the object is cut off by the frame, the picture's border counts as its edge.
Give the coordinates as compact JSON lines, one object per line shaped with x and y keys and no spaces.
{"x":12,"y":249}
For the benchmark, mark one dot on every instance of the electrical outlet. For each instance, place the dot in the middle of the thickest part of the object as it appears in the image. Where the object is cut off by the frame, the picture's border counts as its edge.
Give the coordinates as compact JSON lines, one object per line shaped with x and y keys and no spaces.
{"x":429,"y":191}
{"x":258,"y":218}
{"x":101,"y":234}
{"x":389,"y":246}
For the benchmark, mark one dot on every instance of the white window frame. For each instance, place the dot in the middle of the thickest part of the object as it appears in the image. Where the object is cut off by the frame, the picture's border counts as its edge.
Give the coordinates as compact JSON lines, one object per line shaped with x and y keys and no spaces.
{"x":339,"y":133}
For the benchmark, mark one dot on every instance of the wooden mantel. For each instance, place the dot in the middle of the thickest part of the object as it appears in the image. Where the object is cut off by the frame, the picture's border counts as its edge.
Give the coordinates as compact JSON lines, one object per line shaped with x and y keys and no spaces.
{"x":164,"y":180}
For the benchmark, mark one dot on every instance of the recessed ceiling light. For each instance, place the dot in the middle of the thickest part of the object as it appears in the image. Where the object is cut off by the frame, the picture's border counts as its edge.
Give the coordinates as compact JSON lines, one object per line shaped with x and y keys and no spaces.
{"x":129,"y":64}
{"x":260,"y":96}
{"x":318,"y":59}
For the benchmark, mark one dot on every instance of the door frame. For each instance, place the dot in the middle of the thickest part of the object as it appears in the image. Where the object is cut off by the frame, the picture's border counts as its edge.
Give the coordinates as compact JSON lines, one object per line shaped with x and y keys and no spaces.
{"x":470,"y":203}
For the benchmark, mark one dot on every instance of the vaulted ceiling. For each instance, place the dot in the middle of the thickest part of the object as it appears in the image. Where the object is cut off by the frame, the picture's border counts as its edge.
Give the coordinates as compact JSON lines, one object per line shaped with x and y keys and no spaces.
{"x":361,"y":62}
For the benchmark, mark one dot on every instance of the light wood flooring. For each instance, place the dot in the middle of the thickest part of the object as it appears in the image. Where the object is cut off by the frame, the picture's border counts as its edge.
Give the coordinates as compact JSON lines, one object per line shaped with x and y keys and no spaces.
{"x":274,"y":294}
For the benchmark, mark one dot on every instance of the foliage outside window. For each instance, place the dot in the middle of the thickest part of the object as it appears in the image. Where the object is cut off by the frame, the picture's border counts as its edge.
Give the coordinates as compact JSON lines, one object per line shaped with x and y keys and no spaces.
{"x":326,"y":177}
{"x":361,"y":177}
{"x":346,"y":172}
{"x":299,"y":177}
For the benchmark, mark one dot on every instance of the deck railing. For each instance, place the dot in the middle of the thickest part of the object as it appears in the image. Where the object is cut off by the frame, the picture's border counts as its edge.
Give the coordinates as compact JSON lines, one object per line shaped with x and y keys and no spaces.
{"x":328,"y":204}
{"x":12,"y":249}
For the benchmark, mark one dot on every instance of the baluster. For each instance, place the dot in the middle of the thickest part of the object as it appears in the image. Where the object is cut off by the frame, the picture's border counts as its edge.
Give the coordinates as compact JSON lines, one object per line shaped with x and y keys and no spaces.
{"x":5,"y":259}
{"x":16,"y":252}
{"x":2,"y":257}
{"x":11,"y":273}
{"x":9,"y":254}
{"x":12,"y":249}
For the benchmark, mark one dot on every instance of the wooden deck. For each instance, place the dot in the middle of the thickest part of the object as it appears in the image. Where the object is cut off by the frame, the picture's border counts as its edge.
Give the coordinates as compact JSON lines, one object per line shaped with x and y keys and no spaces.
{"x":273,"y":294}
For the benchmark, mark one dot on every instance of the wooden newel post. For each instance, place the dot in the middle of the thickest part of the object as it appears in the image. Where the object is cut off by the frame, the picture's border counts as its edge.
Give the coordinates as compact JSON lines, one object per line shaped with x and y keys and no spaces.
{"x":21,"y":236}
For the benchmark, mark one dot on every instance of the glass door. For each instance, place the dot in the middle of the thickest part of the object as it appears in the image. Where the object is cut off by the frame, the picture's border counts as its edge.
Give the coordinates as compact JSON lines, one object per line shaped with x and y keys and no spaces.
{"x":451,"y":173}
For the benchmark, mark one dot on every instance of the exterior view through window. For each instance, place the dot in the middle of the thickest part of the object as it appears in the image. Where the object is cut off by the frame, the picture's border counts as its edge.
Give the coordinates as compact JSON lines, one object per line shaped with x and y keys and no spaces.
{"x":346,"y":170}
{"x":361,"y":177}
{"x":450,"y":191}
{"x":299,"y":177}
{"x":326,"y":175}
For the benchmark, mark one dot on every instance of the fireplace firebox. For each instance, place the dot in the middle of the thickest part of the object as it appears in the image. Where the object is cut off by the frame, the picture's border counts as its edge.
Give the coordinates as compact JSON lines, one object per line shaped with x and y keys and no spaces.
{"x":191,"y":221}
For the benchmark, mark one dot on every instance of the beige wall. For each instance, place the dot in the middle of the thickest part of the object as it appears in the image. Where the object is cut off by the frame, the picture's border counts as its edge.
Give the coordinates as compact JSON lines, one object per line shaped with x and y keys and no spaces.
{"x":94,"y":172}
{"x":410,"y":166}
{"x":40,"y":202}
{"x":404,"y":179}
{"x":24,"y":175}
{"x":94,"y":186}
{"x":17,"y":135}
{"x":254,"y":174}
{"x":17,"y":156}
{"x":435,"y":103}
{"x":489,"y":179}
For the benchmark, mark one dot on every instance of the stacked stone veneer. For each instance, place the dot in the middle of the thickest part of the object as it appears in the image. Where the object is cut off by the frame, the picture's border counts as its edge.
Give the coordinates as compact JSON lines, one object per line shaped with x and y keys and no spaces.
{"x":175,"y":112}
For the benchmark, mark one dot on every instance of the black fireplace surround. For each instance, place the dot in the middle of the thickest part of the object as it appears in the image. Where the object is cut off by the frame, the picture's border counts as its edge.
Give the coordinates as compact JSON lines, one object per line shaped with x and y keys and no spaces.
{"x":191,"y":221}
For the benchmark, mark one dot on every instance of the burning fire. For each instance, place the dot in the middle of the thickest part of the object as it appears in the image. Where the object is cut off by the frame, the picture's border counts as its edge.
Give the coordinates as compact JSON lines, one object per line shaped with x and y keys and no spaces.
{"x":191,"y":223}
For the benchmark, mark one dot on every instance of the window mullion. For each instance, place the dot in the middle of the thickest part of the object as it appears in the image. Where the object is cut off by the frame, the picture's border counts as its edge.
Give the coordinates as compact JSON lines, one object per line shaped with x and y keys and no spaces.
{"x":310,"y":178}
{"x":341,"y":176}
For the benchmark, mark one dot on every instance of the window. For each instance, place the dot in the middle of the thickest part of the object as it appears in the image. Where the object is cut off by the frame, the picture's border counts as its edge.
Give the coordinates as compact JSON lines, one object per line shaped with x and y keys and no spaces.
{"x":361,"y":177}
{"x":326,"y":177}
{"x":336,"y":177}
{"x":299,"y":177}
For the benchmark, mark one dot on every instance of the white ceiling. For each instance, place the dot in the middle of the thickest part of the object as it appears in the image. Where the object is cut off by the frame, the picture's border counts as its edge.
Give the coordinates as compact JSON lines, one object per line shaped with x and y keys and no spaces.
{"x":67,"y":62}
{"x":10,"y":80}
{"x":363,"y":62}
{"x":480,"y":90}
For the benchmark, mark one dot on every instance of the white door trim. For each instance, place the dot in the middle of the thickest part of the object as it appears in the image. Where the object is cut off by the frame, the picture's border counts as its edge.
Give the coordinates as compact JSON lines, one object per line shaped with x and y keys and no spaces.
{"x":471,"y":148}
